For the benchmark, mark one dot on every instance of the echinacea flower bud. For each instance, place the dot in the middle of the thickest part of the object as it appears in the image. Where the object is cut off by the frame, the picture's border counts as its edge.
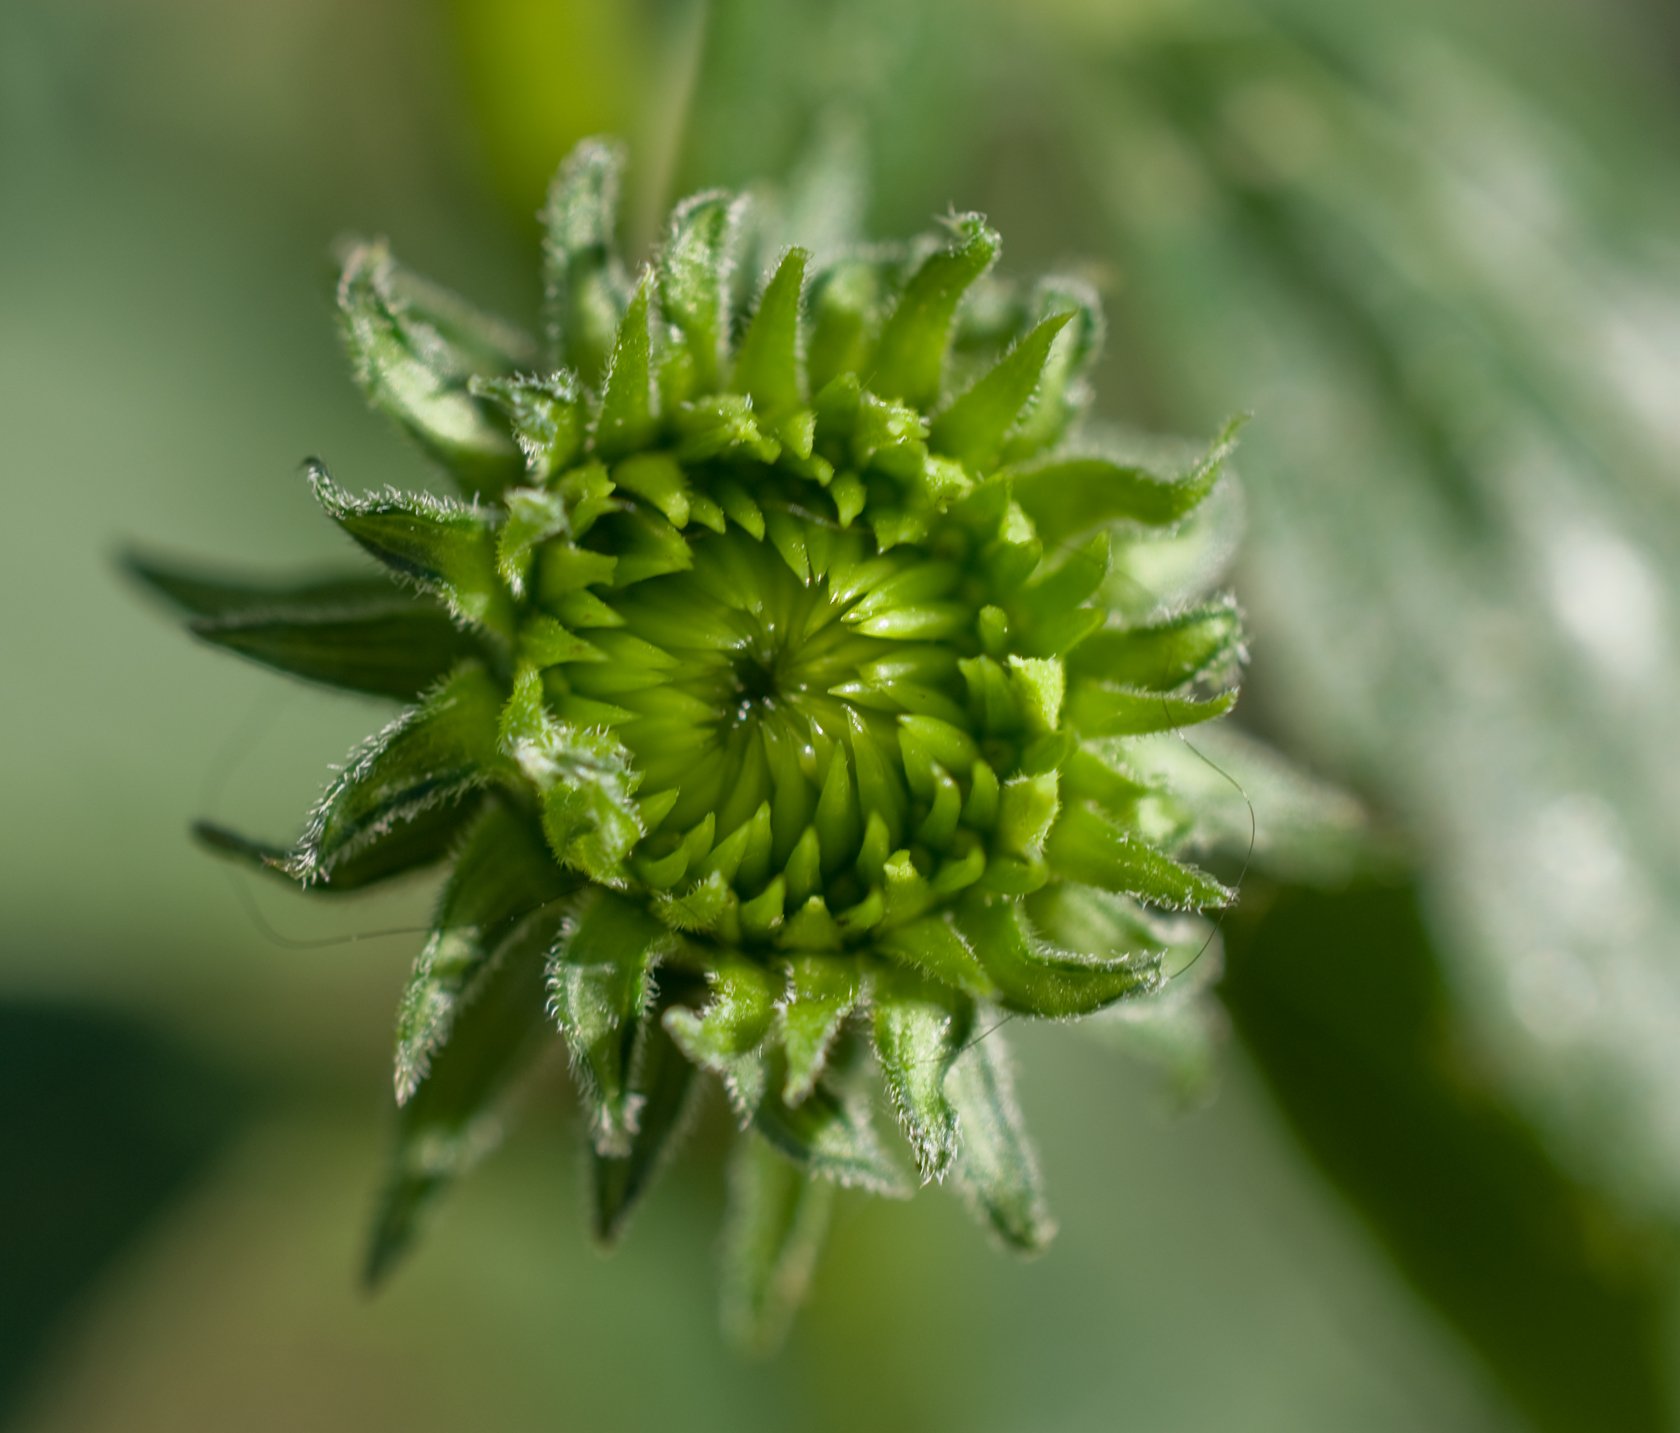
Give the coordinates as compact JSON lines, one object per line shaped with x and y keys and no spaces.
{"x":767,"y":697}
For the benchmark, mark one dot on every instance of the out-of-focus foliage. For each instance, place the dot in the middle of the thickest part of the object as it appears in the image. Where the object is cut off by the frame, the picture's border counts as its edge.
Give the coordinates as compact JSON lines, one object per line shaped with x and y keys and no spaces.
{"x":160,"y":1124}
{"x":1366,"y":1053}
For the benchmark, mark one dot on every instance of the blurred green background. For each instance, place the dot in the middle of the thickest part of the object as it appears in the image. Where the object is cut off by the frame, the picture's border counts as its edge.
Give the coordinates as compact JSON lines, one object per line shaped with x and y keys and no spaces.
{"x":1436,"y":1182}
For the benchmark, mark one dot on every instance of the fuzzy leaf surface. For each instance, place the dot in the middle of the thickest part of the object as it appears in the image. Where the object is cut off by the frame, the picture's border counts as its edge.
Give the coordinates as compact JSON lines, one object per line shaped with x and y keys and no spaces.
{"x":502,"y":875}
{"x":600,"y":987}
{"x":431,"y":755}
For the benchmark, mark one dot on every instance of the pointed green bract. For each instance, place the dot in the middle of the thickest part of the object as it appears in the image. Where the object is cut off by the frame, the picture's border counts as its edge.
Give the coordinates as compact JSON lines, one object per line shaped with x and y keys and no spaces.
{"x":789,"y":686}
{"x":408,"y":369}
{"x":356,"y":634}
{"x":410,"y":845}
{"x":600,"y":984}
{"x":726,"y":1036}
{"x":830,"y":1135}
{"x":778,"y":1218}
{"x":443,"y":548}
{"x":1032,"y":978}
{"x":215,"y":598}
{"x":583,"y":280}
{"x":1091,"y":850}
{"x":1062,"y":394}
{"x":1069,"y":497}
{"x":548,"y":416}
{"x":694,"y":276}
{"x":973,"y":428}
{"x":996,"y":1168}
{"x":1101,"y":709}
{"x":822,"y":991}
{"x":395,"y":649}
{"x":767,"y":360}
{"x":625,"y":421}
{"x":662,"y":1087}
{"x":919,"y":1030}
{"x":910,"y":355}
{"x":501,"y":877}
{"x":431,"y":755}
{"x":450,"y":1120}
{"x":1202,"y":642}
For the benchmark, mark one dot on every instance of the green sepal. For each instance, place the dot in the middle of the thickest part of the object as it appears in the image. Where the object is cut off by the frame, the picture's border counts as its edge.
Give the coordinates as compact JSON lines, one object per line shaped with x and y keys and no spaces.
{"x":212,"y":596}
{"x":659,"y":480}
{"x":407,"y":370}
{"x":1099,"y":709}
{"x":584,"y":287}
{"x":662,"y":1086}
{"x":822,"y":990}
{"x":1087,"y":848}
{"x":920,"y":1027}
{"x":973,"y":428}
{"x":694,"y":274}
{"x":473,"y":341}
{"x":600,"y":985}
{"x":535,"y":516}
{"x":445,"y":548}
{"x":1027,"y":807}
{"x":502,"y":874}
{"x":934,"y":946}
{"x":725,"y":1036}
{"x":910,"y":353}
{"x":767,"y":357}
{"x":548,"y":415}
{"x":400,"y":850}
{"x":585,"y":779}
{"x":397,"y":652}
{"x":356,"y":634}
{"x":430,"y":755}
{"x":1061,"y":586}
{"x":1062,"y":392}
{"x":1067,"y":497}
{"x":1162,"y":656}
{"x":450,"y":1121}
{"x":721,"y":425}
{"x":996,"y":1168}
{"x":842,"y":300}
{"x":774,"y":1230}
{"x":625,"y":421}
{"x":829,"y":1134}
{"x":1033,"y":978}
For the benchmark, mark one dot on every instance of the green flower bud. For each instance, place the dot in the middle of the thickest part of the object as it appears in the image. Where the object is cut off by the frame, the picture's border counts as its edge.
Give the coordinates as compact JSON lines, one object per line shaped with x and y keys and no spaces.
{"x":769,"y":692}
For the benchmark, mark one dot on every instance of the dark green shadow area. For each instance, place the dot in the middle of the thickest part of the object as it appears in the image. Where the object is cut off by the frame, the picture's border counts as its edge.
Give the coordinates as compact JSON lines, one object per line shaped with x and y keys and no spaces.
{"x":1340,"y":1002}
{"x":105,"y":1125}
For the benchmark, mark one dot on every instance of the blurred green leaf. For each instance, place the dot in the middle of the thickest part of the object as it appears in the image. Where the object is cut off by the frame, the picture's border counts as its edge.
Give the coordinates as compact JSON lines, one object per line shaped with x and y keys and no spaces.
{"x":111,"y":1124}
{"x":1342,"y":1003}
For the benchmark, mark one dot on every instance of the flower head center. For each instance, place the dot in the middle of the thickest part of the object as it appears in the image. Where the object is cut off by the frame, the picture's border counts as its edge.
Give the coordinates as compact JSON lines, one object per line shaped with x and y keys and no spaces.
{"x":759,"y":681}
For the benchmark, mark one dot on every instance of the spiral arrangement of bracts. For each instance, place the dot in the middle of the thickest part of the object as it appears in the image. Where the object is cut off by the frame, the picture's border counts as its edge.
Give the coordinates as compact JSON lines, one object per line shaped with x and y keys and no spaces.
{"x":768,"y":699}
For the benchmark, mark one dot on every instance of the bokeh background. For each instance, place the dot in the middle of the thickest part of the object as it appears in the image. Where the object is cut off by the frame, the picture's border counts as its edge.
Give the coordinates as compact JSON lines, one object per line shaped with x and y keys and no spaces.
{"x":1434,"y":1182}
